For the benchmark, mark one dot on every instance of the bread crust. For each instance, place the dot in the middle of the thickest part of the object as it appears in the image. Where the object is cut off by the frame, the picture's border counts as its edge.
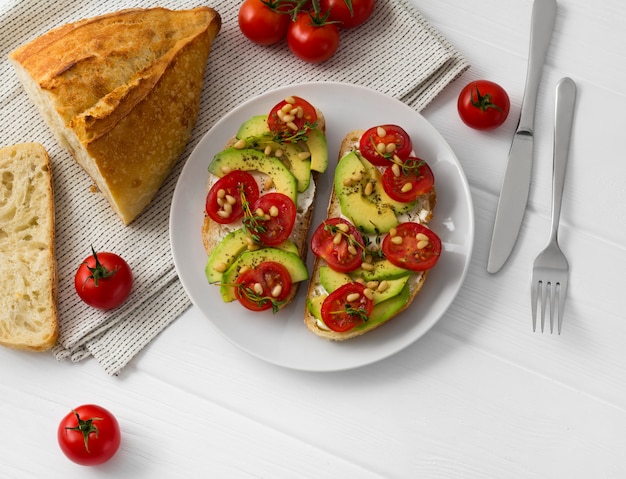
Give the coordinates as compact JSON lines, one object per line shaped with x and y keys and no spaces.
{"x":125,"y":97}
{"x":416,"y":280}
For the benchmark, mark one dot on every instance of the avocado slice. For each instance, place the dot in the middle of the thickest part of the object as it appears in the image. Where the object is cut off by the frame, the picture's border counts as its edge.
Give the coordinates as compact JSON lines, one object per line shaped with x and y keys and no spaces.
{"x":300,"y":167}
{"x":375,"y":176}
{"x":251,"y":259}
{"x":229,"y":249}
{"x":369,"y":216}
{"x":248,"y":159}
{"x":381,"y":311}
{"x":318,"y":146}
{"x":383,"y":269}
{"x":255,"y":126}
{"x":331,"y":280}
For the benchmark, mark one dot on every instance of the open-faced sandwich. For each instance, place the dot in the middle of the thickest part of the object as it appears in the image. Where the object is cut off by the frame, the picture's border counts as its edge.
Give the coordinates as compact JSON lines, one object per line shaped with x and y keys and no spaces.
{"x":259,"y":205}
{"x":374,"y":249}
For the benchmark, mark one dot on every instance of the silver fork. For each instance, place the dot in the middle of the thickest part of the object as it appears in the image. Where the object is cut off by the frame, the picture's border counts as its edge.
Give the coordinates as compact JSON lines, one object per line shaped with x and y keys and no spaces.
{"x":551,"y":269}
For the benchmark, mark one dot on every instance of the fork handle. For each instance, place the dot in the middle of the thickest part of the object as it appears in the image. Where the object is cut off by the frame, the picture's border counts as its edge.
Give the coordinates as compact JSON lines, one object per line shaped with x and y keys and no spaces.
{"x":563,"y":120}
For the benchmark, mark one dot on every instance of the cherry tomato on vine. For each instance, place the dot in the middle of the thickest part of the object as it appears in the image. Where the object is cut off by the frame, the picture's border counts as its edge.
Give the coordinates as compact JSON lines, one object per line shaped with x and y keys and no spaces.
{"x":379,"y":143}
{"x":419,"y":249}
{"x":263,"y":287}
{"x":346,"y":307}
{"x":414,"y":178}
{"x":299,"y":112}
{"x":103,"y":280}
{"x":262,"y":21}
{"x":483,"y":105}
{"x":338,"y":254}
{"x":89,"y":435}
{"x":227,"y":191}
{"x":312,"y":39}
{"x":278,"y":221}
{"x":348,"y":13}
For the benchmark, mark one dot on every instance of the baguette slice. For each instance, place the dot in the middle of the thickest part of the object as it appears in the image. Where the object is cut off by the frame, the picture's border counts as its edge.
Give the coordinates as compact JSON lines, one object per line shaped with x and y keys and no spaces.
{"x":425,"y":207}
{"x":121,"y":92}
{"x":28,"y":304}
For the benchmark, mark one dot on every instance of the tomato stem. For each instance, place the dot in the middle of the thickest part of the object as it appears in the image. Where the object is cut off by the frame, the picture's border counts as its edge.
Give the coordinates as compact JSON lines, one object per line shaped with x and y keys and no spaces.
{"x":85,"y":427}
{"x":483,"y":101}
{"x":99,"y":271}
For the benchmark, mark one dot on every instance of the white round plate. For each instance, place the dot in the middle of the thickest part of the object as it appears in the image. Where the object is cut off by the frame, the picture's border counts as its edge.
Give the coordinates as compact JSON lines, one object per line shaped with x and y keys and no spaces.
{"x":283,"y":339}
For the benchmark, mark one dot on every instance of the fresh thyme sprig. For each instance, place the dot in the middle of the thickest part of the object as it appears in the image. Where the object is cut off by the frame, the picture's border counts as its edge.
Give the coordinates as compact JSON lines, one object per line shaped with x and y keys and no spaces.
{"x":251,"y":221}
{"x":288,"y":136}
{"x":352,"y":311}
{"x":260,"y":300}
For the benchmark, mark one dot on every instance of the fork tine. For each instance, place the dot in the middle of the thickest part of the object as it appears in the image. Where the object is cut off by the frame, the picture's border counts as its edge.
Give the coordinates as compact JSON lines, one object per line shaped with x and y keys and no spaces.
{"x":544,"y":297}
{"x":552,"y":299}
{"x":562,"y":294}
{"x":533,"y":301}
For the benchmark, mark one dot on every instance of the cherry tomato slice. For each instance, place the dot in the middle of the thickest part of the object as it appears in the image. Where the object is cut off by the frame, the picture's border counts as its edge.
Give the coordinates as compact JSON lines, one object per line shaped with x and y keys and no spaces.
{"x":291,"y":116}
{"x":279,"y":217}
{"x":385,"y":135}
{"x":419,"y":250}
{"x":415,"y":178}
{"x":338,"y":254}
{"x":232,"y":184}
{"x":263,"y":287}
{"x":341,"y":313}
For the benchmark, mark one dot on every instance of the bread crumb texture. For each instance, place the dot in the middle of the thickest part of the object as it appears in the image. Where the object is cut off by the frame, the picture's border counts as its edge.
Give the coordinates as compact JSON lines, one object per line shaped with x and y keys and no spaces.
{"x":28,"y":316}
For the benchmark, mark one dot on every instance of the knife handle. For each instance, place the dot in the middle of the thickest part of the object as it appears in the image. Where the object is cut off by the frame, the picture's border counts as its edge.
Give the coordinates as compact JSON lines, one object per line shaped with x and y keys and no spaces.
{"x":541,"y":26}
{"x":563,"y":120}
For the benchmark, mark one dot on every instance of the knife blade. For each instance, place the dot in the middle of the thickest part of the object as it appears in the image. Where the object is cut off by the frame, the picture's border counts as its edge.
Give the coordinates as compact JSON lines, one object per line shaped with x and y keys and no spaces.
{"x":516,"y":182}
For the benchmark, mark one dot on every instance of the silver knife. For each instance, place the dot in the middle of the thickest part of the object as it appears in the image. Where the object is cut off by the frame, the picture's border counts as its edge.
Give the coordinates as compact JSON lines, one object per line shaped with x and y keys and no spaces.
{"x":516,"y":184}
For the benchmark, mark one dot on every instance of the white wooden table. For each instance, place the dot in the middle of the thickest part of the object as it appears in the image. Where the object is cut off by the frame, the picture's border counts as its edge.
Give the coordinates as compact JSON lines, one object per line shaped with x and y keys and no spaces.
{"x":479,"y":396}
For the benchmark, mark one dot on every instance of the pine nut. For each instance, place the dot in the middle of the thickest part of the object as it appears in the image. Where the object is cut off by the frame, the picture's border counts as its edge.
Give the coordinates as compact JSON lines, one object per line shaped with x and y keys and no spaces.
{"x":367,"y":266}
{"x":220,"y":267}
{"x":381,"y":148}
{"x":243,"y":269}
{"x":390,"y":148}
{"x":230,"y":200}
{"x":277,"y":290}
{"x":369,"y":188}
{"x":380,"y":131}
{"x":260,"y":212}
{"x":422,"y":244}
{"x":372,"y":284}
{"x":406,"y":187}
{"x":226,"y":169}
{"x":352,"y":250}
{"x":292,"y":126}
{"x":288,"y":118}
{"x":396,"y":240}
{"x":223,"y":214}
{"x":299,"y":113}
{"x":290,"y":100}
{"x":421,"y":237}
{"x":368,"y":293}
{"x":303,"y":155}
{"x":348,"y":182}
{"x":393,"y":232}
{"x":278,"y":153}
{"x":258,"y":289}
{"x":250,"y":240}
{"x":337,"y":239}
{"x":360,"y":281}
{"x":395,"y":168}
{"x":269,"y":182}
{"x":343,"y":227}
{"x":358,"y":176}
{"x":268,"y":150}
{"x":274,"y":211}
{"x":240,"y":144}
{"x":228,"y":208}
{"x":287,"y":107}
{"x":253,"y":247}
{"x":353,"y":297}
{"x":383,"y":286}
{"x":220,"y":201}
{"x":221,"y":193}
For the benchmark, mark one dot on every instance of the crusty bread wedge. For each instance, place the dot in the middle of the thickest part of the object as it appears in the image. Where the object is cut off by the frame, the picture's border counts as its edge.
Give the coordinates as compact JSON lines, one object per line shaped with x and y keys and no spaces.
{"x":28,"y":304}
{"x":121,"y":92}
{"x":213,"y":232}
{"x":422,"y":212}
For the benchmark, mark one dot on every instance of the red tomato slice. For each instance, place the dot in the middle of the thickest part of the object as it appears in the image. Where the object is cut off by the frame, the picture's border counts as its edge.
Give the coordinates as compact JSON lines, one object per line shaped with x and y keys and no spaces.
{"x":338,"y":254}
{"x":415,"y":178}
{"x":419,"y":249}
{"x":385,"y":135}
{"x":291,"y":116}
{"x":263,"y":287}
{"x":232,"y":184}
{"x":342,"y":313}
{"x":279,"y":217}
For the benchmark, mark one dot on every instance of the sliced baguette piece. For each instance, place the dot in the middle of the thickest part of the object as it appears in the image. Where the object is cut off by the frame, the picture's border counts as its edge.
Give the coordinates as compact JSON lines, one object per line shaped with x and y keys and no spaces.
{"x":121,"y":92}
{"x":28,"y":304}
{"x":424,"y":206}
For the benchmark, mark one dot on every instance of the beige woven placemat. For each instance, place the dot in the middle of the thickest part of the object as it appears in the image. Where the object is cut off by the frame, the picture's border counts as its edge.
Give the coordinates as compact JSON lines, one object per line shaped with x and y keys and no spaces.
{"x":396,"y":52}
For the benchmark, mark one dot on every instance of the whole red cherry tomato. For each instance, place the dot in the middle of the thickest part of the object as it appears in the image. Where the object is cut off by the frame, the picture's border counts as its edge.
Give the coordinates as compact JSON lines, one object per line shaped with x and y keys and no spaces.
{"x":483,"y":105}
{"x":89,"y":435}
{"x":103,"y":280}
{"x":348,"y":13}
{"x":312,"y":39}
{"x":262,"y":21}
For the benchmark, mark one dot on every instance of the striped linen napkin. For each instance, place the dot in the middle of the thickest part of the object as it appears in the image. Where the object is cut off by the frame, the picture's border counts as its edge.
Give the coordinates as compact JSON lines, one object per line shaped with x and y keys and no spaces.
{"x":418,"y":64}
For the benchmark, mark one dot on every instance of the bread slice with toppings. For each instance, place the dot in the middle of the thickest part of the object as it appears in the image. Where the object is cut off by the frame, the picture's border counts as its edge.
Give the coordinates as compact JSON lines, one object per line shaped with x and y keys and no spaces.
{"x":28,"y":297}
{"x":393,"y":291}
{"x":121,"y":92}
